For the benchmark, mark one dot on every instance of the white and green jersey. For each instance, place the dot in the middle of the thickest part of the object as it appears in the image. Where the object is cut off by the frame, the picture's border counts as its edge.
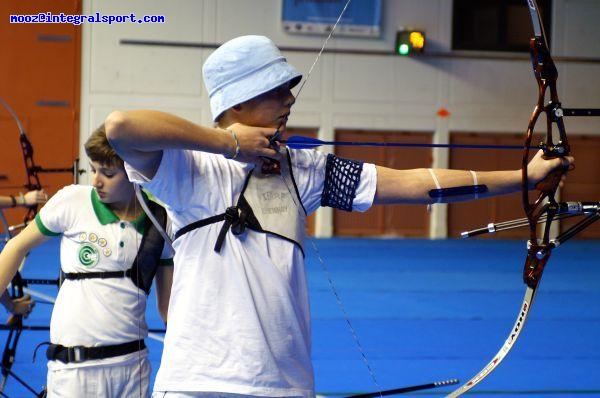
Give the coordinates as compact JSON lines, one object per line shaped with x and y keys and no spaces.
{"x":94,"y":312}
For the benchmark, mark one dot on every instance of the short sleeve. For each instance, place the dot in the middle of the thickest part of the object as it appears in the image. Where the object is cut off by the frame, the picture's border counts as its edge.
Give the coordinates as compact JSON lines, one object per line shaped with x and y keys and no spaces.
{"x":309,"y":173}
{"x":173,"y":181}
{"x":365,"y":192}
{"x":58,"y":213}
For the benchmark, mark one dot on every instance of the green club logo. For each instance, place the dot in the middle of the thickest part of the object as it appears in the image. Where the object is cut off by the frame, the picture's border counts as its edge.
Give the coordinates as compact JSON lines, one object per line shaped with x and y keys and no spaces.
{"x":88,"y":256}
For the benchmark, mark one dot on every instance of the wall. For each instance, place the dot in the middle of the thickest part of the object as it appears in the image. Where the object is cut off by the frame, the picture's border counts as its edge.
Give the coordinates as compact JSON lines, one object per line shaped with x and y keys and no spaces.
{"x":347,"y":91}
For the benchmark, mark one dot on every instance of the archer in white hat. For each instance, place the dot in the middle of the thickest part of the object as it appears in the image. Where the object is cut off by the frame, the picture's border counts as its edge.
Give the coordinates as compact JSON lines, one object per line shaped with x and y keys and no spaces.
{"x":239,"y":318}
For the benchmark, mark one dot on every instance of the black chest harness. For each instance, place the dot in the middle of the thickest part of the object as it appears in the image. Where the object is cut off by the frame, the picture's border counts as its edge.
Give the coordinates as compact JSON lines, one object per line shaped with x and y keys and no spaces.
{"x":146,"y":261}
{"x":268,"y":203}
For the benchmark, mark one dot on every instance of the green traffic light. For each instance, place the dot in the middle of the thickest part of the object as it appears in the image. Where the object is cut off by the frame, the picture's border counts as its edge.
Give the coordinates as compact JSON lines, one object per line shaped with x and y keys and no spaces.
{"x":403,"y":49}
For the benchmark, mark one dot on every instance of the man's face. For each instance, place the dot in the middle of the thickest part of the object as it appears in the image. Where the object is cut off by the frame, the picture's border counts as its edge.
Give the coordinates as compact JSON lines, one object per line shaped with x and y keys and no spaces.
{"x":270,"y":109}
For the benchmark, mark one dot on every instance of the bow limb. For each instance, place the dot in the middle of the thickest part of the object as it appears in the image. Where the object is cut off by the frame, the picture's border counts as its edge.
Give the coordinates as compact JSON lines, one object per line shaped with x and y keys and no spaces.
{"x":31,"y":169}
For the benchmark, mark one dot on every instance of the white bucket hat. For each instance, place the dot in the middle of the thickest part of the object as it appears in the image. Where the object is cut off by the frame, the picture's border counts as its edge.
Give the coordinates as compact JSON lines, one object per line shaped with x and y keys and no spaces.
{"x":243,"y":68}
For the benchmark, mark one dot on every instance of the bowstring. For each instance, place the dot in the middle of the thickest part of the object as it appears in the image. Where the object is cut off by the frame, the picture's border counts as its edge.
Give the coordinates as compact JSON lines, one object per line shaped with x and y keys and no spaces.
{"x":138,"y":197}
{"x":323,"y":48}
{"x":324,"y":267}
{"x":141,"y":378}
{"x":342,"y":308}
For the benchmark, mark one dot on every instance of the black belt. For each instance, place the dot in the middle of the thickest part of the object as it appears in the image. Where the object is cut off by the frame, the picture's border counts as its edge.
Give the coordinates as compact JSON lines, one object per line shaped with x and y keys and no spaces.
{"x":80,"y":353}
{"x":91,"y":275}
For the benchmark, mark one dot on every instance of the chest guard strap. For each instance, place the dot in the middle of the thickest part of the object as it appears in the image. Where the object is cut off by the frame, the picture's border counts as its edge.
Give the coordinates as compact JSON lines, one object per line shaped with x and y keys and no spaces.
{"x":146,"y":261}
{"x":237,"y":218}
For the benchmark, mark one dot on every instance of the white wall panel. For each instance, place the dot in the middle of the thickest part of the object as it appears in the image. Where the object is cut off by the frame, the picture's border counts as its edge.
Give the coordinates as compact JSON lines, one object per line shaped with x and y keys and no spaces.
{"x":491,"y":82}
{"x":146,"y":71}
{"x":576,"y":28}
{"x":416,"y":81}
{"x":142,"y":69}
{"x":361,"y":79}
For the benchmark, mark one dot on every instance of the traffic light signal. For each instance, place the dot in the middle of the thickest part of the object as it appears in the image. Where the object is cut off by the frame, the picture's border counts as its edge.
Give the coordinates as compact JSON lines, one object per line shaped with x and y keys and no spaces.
{"x":409,"y":41}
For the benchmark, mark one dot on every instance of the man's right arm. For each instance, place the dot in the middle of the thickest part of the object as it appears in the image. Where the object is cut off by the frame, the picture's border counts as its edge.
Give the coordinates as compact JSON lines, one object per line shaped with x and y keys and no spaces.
{"x":140,"y":136}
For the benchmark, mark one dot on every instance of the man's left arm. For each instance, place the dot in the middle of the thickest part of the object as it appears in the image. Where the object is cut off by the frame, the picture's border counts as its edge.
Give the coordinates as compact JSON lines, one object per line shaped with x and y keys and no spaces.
{"x":422,"y":185}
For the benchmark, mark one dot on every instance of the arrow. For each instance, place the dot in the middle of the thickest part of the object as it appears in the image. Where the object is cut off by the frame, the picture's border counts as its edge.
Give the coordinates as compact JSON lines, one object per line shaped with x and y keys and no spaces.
{"x":407,"y":389}
{"x":300,"y":142}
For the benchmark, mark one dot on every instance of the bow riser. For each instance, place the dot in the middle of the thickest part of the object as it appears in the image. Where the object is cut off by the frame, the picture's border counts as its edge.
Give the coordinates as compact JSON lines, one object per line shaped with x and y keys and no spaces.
{"x":545,"y":205}
{"x":534,"y":265}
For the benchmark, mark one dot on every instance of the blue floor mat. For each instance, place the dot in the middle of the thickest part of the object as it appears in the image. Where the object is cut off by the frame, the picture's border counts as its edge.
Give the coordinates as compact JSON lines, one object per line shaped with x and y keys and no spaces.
{"x":423,"y":311}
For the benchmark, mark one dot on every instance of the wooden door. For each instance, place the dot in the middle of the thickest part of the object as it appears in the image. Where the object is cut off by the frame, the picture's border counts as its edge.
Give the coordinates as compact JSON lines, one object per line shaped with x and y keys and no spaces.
{"x":394,"y":220}
{"x":475,"y":214}
{"x":41,"y":83}
{"x":583,"y":183}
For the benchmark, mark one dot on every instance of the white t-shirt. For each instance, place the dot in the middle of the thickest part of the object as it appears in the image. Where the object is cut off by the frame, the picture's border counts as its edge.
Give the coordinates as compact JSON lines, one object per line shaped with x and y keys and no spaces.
{"x":239,"y":320}
{"x":94,"y":312}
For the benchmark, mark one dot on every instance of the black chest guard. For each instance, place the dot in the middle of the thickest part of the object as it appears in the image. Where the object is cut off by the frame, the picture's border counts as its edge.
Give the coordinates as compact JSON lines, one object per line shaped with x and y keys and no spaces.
{"x":148,"y":257}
